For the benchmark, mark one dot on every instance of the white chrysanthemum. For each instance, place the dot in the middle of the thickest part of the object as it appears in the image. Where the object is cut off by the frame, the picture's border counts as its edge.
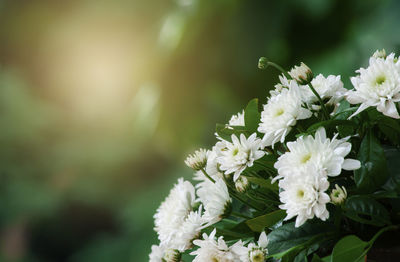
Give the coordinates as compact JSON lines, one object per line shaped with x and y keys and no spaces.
{"x":326,"y":154}
{"x":189,"y":230}
{"x":330,"y":87}
{"x":173,"y":214}
{"x":237,"y":120}
{"x":240,"y":154}
{"x":303,"y":195}
{"x":378,"y":85}
{"x":211,"y":249}
{"x":302,"y":74}
{"x":215,"y":199}
{"x":253,"y":252}
{"x":157,"y":253}
{"x":198,"y":160}
{"x":212,"y":167}
{"x":281,"y":113}
{"x":338,"y":195}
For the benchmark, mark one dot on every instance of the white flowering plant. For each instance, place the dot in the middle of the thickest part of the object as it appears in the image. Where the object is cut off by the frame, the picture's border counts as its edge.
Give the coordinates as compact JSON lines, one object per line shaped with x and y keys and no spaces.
{"x":312,"y":175}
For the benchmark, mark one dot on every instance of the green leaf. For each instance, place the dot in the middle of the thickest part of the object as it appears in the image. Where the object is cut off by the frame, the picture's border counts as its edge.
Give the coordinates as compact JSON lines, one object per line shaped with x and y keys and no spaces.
{"x":366,"y":210}
{"x":225,"y":132}
{"x":393,"y":156}
{"x":349,"y":249}
{"x":258,"y":224}
{"x":288,"y":236}
{"x":331,"y":123}
{"x":252,"y":116}
{"x":264,"y":183}
{"x":316,"y":258}
{"x":373,"y":172}
{"x":344,"y":112}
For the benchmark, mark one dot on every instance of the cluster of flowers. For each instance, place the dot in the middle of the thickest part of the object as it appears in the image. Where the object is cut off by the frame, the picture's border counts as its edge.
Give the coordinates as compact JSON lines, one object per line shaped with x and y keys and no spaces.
{"x":303,"y":168}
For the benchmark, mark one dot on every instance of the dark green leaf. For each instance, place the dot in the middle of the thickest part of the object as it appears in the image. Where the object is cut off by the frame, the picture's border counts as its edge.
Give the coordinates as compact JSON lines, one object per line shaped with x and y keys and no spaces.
{"x":331,"y":123}
{"x":225,"y":132}
{"x":349,"y":249}
{"x":373,"y":172}
{"x":393,"y":161}
{"x":252,"y":116}
{"x":344,"y":112}
{"x":366,"y":210}
{"x":264,"y":183}
{"x":288,"y":236}
{"x":258,"y":224}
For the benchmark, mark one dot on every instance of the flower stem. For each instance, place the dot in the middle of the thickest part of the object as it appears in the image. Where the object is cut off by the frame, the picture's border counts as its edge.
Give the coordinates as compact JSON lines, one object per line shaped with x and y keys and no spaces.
{"x":279,"y":68}
{"x":207,"y":175}
{"x":326,"y":114}
{"x":380,"y":232}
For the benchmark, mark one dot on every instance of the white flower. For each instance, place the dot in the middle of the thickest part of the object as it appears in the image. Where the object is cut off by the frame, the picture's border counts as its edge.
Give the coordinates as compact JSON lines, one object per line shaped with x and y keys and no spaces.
{"x":175,"y":221}
{"x":302,"y":74}
{"x":157,"y":254}
{"x":254,"y":252}
{"x":281,"y":113}
{"x":330,"y":87}
{"x":198,"y":160}
{"x":240,"y":154}
{"x":189,"y":230}
{"x":212,"y":167}
{"x":215,"y":198}
{"x":211,"y":249}
{"x":378,"y":85}
{"x":326,"y":154}
{"x":338,"y":195}
{"x":237,"y":120}
{"x":303,"y":195}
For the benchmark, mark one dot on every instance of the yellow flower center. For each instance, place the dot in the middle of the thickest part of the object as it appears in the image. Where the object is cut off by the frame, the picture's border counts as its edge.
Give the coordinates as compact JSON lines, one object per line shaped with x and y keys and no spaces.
{"x":300,"y":193}
{"x":306,"y":158}
{"x":380,"y":80}
{"x":279,"y":112}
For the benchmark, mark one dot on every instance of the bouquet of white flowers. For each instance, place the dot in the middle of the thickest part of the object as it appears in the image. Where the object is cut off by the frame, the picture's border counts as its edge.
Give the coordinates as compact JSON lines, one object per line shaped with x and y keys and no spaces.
{"x":314,"y":176}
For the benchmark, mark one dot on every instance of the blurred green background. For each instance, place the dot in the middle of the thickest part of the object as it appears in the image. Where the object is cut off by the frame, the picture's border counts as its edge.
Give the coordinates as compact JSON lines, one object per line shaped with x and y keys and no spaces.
{"x":100,"y":101}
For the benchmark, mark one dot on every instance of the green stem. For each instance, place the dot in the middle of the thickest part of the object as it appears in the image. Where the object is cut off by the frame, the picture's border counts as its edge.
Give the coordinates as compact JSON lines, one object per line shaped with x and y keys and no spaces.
{"x":371,"y":242}
{"x":320,"y":101}
{"x":338,"y":217}
{"x":279,"y":68}
{"x":207,"y":175}
{"x":380,"y":232}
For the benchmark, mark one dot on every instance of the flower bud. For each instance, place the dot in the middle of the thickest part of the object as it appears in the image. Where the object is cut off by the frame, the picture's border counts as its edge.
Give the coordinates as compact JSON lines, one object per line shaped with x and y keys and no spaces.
{"x":198,"y":160}
{"x":338,"y":195}
{"x":380,"y":53}
{"x":172,"y":255}
{"x":302,"y":74}
{"x":257,"y":255}
{"x":242,"y":184}
{"x":262,"y":63}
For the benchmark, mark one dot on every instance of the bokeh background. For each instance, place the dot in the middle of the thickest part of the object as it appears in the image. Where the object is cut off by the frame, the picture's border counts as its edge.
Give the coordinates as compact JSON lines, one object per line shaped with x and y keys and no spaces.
{"x":100,"y":101}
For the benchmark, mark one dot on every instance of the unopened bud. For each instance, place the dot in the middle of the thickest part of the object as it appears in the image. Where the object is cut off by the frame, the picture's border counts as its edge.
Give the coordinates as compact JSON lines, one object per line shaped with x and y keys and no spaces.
{"x":338,"y":195}
{"x":172,"y":255}
{"x":302,"y":74}
{"x":262,"y":63}
{"x":198,"y":160}
{"x":242,"y":184}
{"x":257,"y":255}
